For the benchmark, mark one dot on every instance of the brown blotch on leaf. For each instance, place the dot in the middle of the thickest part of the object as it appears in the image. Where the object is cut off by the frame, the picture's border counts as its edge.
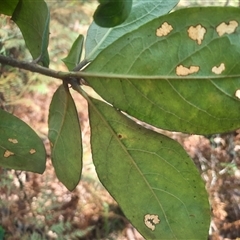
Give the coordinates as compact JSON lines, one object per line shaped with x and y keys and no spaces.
{"x":219,"y":69}
{"x":151,"y":220}
{"x":13,"y":140}
{"x":184,"y":71}
{"x":226,"y":28}
{"x":32,"y":151}
{"x":8,"y":154}
{"x":164,"y":29}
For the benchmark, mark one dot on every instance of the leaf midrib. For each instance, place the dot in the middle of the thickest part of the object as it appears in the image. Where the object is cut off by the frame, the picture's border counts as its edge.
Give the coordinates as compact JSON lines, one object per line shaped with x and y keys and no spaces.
{"x":132,"y":160}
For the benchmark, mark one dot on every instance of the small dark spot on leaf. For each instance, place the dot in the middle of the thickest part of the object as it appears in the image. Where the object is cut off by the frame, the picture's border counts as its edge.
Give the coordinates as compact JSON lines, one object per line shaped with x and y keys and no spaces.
{"x":120,"y":136}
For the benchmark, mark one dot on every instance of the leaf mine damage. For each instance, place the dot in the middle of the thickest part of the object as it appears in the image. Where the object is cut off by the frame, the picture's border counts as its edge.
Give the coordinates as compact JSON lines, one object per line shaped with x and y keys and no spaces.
{"x":151,"y":221}
{"x":197,"y":33}
{"x":164,"y":30}
{"x":226,"y":28}
{"x":184,"y":71}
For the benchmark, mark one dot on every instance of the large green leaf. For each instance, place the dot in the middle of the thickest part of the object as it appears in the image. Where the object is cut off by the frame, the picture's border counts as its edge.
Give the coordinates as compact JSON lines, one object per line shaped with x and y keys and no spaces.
{"x":150,"y":176}
{"x":65,"y":137}
{"x":98,"y":38}
{"x":7,"y":7}
{"x":32,"y":17}
{"x":111,"y":13}
{"x":73,"y":58}
{"x":20,"y":146}
{"x":178,"y":81}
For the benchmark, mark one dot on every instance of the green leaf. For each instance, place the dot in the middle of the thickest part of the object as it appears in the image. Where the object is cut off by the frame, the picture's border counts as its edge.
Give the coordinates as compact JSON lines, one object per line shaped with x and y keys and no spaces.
{"x":2,"y":232}
{"x":143,"y":11}
{"x":141,"y":72}
{"x":20,"y":146}
{"x":111,"y":13}
{"x":73,"y":58}
{"x":32,"y":17}
{"x":7,"y":7}
{"x":148,"y":174}
{"x":65,"y":137}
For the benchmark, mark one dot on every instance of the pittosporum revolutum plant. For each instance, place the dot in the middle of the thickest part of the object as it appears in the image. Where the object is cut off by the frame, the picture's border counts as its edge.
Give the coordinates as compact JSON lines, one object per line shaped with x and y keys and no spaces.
{"x":178,"y":71}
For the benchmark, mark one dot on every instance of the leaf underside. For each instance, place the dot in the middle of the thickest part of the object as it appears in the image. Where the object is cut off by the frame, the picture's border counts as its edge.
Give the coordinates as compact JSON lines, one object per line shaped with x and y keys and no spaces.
{"x":20,"y":146}
{"x":149,"y":175}
{"x":98,"y":38}
{"x":165,"y":74}
{"x":65,"y":138}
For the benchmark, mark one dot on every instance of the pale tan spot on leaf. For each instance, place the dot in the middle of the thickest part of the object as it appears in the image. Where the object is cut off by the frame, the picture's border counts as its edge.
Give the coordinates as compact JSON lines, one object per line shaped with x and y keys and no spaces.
{"x":32,"y":151}
{"x":237,"y":94}
{"x":184,"y":71}
{"x":226,"y":28}
{"x":197,"y":33}
{"x":151,"y":221}
{"x":164,"y":29}
{"x":8,"y":154}
{"x":219,"y":69}
{"x":13,"y":140}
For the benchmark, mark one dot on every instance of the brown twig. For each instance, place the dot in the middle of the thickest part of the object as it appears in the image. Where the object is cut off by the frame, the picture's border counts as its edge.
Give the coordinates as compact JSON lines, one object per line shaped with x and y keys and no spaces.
{"x":67,"y":77}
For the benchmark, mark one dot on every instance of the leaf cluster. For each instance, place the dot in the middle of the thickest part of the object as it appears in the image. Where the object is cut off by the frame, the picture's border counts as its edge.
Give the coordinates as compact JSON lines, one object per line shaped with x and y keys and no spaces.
{"x":147,"y":64}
